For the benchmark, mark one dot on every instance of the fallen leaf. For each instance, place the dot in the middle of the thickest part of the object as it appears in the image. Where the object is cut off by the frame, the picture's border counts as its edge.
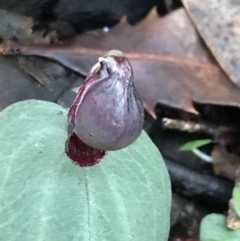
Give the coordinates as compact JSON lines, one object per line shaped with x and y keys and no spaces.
{"x":221,"y":33}
{"x":170,"y":67}
{"x":50,"y":74}
{"x":16,"y":85}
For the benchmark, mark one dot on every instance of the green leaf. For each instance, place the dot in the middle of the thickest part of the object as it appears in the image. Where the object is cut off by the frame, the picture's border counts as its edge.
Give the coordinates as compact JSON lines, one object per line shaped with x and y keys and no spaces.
{"x":236,"y":199}
{"x":213,"y":228}
{"x":191,"y":145}
{"x":44,"y":196}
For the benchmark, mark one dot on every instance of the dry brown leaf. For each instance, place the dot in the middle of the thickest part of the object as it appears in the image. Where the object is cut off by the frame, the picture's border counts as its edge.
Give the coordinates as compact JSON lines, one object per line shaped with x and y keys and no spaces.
{"x":171,"y":65}
{"x":15,"y":85}
{"x":50,"y":74}
{"x":218,"y":22}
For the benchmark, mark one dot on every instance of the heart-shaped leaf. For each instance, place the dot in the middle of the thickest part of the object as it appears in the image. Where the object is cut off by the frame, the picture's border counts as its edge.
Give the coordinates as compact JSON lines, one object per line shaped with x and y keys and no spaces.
{"x":236,"y":198}
{"x":44,"y":196}
{"x":213,"y":228}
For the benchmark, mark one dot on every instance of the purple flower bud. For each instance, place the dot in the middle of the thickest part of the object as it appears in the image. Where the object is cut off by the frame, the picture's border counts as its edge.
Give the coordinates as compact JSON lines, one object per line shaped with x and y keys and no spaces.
{"x":107,"y":113}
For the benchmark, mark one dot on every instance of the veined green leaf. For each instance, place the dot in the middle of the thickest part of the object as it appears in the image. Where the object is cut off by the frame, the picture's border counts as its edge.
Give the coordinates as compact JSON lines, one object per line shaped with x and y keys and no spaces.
{"x":236,"y":198}
{"x":213,"y":228}
{"x":45,"y":197}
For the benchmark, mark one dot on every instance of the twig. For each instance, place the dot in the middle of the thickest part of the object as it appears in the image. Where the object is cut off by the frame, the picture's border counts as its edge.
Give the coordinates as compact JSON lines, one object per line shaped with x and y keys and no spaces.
{"x":189,"y":126}
{"x":207,"y":189}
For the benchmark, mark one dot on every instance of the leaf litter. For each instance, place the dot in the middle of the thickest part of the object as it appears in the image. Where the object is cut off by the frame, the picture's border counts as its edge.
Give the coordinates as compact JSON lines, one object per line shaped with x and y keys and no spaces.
{"x":170,"y":67}
{"x":221,"y":33}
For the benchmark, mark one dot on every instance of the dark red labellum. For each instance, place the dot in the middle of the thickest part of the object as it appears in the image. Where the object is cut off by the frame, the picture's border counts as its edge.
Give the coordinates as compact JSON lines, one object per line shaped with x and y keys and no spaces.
{"x":82,"y":154}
